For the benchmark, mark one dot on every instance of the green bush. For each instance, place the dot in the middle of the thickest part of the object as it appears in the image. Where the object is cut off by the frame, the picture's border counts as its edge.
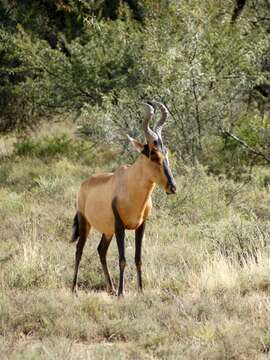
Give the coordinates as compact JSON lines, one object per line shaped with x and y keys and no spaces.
{"x":53,"y":146}
{"x":188,"y":55}
{"x":4,"y":173}
{"x":47,"y":147}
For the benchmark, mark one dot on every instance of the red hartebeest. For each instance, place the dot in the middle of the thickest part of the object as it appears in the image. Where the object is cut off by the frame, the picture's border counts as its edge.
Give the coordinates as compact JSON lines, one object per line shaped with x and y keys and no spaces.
{"x":114,"y":202}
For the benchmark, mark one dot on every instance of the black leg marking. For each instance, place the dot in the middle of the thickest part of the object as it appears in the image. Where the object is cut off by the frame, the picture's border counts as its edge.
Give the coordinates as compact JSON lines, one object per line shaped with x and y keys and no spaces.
{"x":102,"y":250}
{"x":120,"y":239}
{"x":84,"y":228}
{"x":138,"y":253}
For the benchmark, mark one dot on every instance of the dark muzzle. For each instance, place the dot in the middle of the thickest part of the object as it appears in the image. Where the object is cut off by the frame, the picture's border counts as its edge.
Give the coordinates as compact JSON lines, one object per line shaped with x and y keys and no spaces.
{"x":172,"y":189}
{"x":171,"y":185}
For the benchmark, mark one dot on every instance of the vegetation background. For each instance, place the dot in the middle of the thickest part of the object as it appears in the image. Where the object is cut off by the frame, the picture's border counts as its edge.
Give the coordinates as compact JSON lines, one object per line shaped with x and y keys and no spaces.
{"x":73,"y":75}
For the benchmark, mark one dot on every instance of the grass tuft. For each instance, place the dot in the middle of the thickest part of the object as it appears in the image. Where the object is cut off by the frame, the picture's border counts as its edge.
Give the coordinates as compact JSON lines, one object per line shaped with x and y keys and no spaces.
{"x":205,"y":267}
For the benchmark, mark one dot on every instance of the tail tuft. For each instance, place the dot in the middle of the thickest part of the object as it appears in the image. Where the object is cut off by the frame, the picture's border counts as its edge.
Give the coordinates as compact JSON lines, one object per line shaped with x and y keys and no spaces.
{"x":75,"y":228}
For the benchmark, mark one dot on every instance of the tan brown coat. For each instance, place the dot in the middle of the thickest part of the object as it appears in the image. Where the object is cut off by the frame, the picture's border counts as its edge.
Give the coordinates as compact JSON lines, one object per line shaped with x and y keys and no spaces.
{"x":114,"y":202}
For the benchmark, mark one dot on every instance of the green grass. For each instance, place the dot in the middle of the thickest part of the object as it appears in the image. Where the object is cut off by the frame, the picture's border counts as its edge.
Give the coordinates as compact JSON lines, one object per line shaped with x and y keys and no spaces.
{"x":205,"y":268}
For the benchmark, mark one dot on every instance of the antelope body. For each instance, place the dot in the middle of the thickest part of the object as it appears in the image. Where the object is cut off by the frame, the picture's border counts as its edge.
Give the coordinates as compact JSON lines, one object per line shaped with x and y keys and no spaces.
{"x":114,"y":202}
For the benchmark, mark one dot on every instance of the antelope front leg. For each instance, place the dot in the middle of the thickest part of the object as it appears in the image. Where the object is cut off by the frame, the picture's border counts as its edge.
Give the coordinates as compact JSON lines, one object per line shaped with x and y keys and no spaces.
{"x":120,"y":239}
{"x":138,"y":254}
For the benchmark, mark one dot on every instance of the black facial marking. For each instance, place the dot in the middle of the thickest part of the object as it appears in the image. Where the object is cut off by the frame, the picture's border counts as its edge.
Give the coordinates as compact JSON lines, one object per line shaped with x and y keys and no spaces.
{"x":158,"y":145}
{"x":168,"y":173}
{"x":146,"y":150}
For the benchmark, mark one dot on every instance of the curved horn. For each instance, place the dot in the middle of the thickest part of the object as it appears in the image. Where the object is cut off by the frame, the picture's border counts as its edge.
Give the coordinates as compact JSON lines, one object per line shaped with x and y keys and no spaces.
{"x":164,"y":115}
{"x":150,"y":134}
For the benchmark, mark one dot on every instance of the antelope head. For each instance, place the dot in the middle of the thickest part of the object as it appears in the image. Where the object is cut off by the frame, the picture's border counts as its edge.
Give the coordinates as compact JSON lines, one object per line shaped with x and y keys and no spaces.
{"x":156,"y":154}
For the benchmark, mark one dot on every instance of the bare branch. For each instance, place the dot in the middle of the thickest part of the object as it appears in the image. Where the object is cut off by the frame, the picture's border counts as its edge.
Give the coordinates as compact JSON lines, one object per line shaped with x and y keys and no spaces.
{"x":245,"y":145}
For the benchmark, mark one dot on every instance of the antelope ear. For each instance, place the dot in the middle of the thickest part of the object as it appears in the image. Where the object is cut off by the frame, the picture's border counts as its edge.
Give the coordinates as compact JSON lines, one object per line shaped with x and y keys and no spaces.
{"x":136,"y":144}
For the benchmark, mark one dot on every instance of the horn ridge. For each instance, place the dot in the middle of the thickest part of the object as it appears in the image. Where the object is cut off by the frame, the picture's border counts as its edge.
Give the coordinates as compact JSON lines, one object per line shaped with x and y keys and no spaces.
{"x":163,"y":118}
{"x":149,"y":134}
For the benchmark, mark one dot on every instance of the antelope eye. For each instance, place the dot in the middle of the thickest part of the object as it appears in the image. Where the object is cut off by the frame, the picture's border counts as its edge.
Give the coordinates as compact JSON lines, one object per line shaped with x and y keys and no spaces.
{"x":155,"y":142}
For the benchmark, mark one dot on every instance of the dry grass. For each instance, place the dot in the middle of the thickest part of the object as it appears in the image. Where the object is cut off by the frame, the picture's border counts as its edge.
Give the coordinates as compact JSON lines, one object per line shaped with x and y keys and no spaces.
{"x":206,"y":271}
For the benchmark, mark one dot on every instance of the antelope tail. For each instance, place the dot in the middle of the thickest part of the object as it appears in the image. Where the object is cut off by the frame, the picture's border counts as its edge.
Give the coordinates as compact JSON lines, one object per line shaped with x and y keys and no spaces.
{"x":75,"y":228}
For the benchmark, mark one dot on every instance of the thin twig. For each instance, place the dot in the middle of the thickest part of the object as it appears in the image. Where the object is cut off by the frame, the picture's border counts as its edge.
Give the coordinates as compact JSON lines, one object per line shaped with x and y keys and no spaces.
{"x":245,"y":145}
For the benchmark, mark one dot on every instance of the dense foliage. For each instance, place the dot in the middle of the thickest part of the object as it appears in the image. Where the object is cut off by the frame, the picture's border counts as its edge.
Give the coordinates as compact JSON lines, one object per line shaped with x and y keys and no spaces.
{"x":98,"y":60}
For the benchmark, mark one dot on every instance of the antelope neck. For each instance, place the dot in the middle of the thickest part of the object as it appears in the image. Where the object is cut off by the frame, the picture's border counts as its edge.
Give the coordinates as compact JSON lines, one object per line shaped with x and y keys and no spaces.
{"x":140,"y":185}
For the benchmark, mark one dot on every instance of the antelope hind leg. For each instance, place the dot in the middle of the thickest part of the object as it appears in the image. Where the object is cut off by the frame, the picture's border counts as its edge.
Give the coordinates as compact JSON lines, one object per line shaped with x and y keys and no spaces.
{"x":83,"y":231}
{"x":102,"y":251}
